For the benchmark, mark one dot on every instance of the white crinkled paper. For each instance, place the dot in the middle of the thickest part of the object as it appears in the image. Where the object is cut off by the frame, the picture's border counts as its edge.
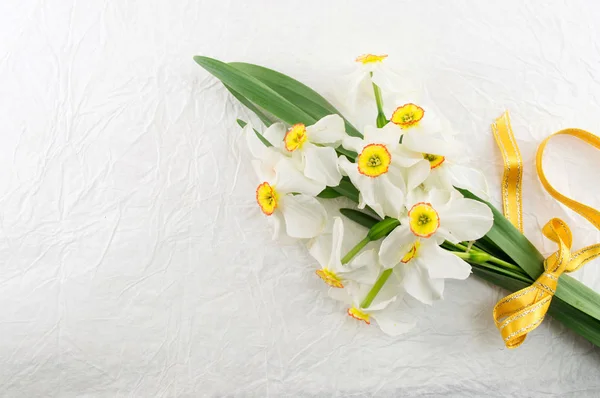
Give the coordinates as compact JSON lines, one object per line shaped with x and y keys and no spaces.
{"x":133,"y":260}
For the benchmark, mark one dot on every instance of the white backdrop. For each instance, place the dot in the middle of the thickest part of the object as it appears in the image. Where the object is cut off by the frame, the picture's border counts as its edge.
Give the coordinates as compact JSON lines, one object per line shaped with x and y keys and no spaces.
{"x":133,"y":259}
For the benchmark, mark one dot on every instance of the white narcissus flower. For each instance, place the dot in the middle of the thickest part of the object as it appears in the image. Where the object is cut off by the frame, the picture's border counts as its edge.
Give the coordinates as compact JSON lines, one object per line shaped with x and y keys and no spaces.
{"x":414,"y":244}
{"x":307,"y":145}
{"x":371,"y":69}
{"x":448,"y":174}
{"x":387,"y":309}
{"x":326,"y":249}
{"x":377,"y":174}
{"x":285,"y":194}
{"x":288,"y":198}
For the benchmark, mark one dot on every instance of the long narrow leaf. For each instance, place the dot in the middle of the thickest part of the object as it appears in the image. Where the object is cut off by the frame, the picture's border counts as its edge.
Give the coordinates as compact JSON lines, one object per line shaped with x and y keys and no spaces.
{"x":359,"y":217}
{"x":261,"y":115}
{"x":297,"y":93}
{"x":255,"y":91}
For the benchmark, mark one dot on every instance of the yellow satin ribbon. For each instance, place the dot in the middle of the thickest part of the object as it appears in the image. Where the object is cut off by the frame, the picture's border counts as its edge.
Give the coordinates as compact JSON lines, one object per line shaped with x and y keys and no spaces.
{"x":521,"y":312}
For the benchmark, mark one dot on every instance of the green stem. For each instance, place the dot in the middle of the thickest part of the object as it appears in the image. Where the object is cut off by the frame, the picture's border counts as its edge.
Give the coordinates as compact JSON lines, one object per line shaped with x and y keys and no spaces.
{"x":376,"y":288}
{"x":504,"y":264}
{"x":354,"y":251}
{"x":381,"y":119}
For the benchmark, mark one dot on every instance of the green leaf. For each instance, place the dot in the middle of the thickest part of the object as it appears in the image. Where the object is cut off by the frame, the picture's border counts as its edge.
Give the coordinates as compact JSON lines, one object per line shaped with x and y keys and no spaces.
{"x":329,"y":193}
{"x":347,"y":189}
{"x":297,"y":93}
{"x":255,"y":91}
{"x":259,"y":135}
{"x":382,"y":228}
{"x":261,"y":115}
{"x":359,"y":217}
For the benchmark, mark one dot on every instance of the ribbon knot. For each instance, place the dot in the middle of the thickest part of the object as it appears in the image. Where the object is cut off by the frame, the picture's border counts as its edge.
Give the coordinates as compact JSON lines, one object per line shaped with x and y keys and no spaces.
{"x":521,"y":312}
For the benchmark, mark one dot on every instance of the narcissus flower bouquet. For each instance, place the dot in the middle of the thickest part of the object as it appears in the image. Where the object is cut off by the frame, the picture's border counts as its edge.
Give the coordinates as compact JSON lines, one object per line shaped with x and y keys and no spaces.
{"x":423,"y":209}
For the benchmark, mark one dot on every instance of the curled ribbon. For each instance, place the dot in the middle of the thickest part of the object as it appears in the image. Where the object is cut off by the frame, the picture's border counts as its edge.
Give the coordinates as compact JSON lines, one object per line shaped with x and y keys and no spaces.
{"x":521,"y":312}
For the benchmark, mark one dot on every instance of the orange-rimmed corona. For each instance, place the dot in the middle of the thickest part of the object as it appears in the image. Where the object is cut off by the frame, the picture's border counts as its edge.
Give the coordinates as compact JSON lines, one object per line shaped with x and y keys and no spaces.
{"x":330,"y":278}
{"x":374,"y":160}
{"x":423,"y":220}
{"x":407,"y":115}
{"x":267,"y":198}
{"x":360,"y":315}
{"x":370,"y":58}
{"x":295,"y":137}
{"x":435,"y":161}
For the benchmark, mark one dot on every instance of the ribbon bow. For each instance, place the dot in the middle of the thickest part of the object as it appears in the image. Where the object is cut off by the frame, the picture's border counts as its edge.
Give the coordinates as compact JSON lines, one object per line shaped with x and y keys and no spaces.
{"x":521,"y":312}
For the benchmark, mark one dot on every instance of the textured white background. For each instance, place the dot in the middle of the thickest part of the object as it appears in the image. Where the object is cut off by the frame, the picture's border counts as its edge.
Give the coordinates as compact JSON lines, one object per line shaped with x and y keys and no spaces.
{"x":133,"y":260}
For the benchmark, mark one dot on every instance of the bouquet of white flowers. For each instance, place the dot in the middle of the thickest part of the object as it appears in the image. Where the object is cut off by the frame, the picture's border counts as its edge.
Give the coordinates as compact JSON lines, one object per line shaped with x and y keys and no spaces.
{"x":411,"y":192}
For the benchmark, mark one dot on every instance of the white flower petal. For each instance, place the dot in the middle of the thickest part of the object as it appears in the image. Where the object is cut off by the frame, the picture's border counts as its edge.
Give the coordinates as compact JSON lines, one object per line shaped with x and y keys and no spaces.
{"x":392,"y":321}
{"x":290,"y":179}
{"x":467,"y":219}
{"x":442,"y":264}
{"x":389,"y":135}
{"x":340,"y":295}
{"x":395,"y":246}
{"x":321,"y":164}
{"x":389,"y":81}
{"x":391,"y":291}
{"x":275,"y":133}
{"x":263,"y":170}
{"x":417,"y":173}
{"x":277,"y":222}
{"x":328,"y":130}
{"x":468,"y":178}
{"x":304,"y":216}
{"x":419,"y":285}
{"x":404,"y":157}
{"x":337,"y":239}
{"x":255,"y":145}
{"x":389,"y":195}
{"x":365,"y":275}
{"x":427,"y":143}
{"x":439,"y":178}
{"x":363,"y":269}
{"x":320,"y":248}
{"x":363,"y":259}
{"x":353,"y":143}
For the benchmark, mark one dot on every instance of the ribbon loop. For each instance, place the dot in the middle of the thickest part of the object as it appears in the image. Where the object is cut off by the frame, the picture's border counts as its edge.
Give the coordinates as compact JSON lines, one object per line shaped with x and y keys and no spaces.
{"x":521,"y":312}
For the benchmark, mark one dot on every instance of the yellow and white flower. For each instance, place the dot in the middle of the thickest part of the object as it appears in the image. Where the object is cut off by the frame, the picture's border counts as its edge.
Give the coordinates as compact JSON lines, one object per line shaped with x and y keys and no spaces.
{"x":312,"y":147}
{"x":415,"y":243}
{"x":373,"y":68}
{"x":327,"y":250}
{"x":447,"y":173}
{"x":375,"y":172}
{"x":388,"y":309}
{"x":288,"y":199}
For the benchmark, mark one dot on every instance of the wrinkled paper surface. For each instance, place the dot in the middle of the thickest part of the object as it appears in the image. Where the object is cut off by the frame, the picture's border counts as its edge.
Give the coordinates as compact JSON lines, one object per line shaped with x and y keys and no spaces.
{"x":133,"y":259}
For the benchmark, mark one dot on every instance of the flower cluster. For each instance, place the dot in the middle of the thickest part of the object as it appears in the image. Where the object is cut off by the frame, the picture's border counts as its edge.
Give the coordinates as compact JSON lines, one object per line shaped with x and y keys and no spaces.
{"x":406,"y":168}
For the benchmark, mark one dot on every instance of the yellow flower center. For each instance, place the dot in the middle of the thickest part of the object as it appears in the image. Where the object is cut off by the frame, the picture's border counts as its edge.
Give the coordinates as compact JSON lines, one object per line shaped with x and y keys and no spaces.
{"x":295,"y":137}
{"x":330,"y":277}
{"x":267,"y":198}
{"x":370,"y":58}
{"x":407,"y":116}
{"x":434,"y":160}
{"x":412,"y":253}
{"x":423,"y":220}
{"x":374,"y":160}
{"x":358,"y":314}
